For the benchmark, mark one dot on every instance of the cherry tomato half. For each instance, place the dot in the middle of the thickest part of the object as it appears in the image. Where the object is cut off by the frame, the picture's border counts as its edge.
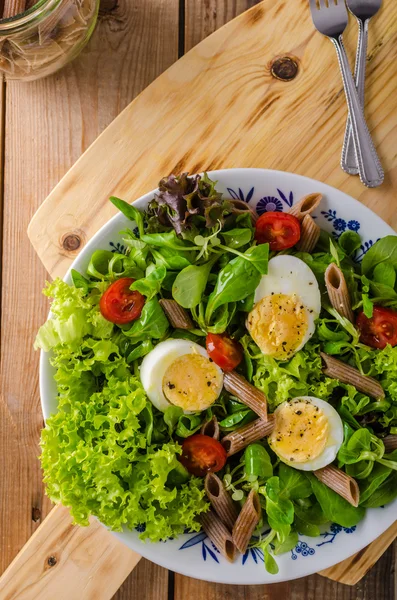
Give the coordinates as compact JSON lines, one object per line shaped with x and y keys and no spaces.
{"x":280,"y":230}
{"x":380,"y":329}
{"x":119,"y":304}
{"x":202,"y":454}
{"x":225,"y":352}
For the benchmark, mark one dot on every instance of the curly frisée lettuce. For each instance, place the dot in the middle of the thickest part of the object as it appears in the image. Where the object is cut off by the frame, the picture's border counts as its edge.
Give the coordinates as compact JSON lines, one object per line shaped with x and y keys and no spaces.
{"x":99,"y":451}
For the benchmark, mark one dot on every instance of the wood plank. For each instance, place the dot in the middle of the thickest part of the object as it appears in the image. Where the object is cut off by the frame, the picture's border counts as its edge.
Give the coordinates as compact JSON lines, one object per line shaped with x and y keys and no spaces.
{"x":204,"y":17}
{"x":61,"y":561}
{"x":48,"y":124}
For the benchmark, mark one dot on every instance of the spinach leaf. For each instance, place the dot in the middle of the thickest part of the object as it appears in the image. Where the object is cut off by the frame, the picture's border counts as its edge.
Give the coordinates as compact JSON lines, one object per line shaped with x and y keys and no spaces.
{"x":79,"y":281}
{"x":169,"y":239}
{"x":308,"y":519}
{"x":280,"y":510}
{"x":172,"y":259}
{"x":190,"y":284}
{"x":385,"y":493}
{"x":334,"y":507}
{"x":287,"y":544}
{"x":171,"y":418}
{"x":130,"y":212}
{"x":361,"y":445}
{"x":234,"y":419}
{"x":257,"y":461}
{"x":238,"y":279}
{"x":98,"y":266}
{"x":140,"y":351}
{"x":151,"y":324}
{"x":384,"y":250}
{"x":178,"y":476}
{"x":235,"y":238}
{"x":293,"y":483}
{"x":187,"y":425}
{"x":382,"y":292}
{"x":168,"y":280}
{"x":349,"y":241}
{"x":385,"y":274}
{"x":329,"y":335}
{"x":372,"y":483}
{"x":150,"y":285}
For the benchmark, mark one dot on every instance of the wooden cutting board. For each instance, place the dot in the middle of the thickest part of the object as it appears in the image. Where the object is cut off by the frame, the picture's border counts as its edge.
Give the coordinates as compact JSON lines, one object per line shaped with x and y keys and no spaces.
{"x":263,"y":91}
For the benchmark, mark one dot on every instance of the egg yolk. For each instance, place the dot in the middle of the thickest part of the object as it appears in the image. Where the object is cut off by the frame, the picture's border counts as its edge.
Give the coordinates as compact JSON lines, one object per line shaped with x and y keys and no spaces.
{"x":192,"y":382}
{"x":278,"y":324}
{"x":300,"y":433}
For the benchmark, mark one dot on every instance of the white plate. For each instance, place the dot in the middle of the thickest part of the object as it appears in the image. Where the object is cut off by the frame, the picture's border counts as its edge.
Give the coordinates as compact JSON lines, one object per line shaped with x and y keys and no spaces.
{"x":193,"y":554}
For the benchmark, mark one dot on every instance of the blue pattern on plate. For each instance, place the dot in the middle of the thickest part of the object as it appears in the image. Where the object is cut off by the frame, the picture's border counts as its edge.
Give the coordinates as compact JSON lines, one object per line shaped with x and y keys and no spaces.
{"x":329,"y":536}
{"x":302,"y":549}
{"x":118,"y":247}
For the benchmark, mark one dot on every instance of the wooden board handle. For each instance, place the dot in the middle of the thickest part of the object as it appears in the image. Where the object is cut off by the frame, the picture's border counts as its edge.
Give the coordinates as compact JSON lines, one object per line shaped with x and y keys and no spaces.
{"x":65,"y":561}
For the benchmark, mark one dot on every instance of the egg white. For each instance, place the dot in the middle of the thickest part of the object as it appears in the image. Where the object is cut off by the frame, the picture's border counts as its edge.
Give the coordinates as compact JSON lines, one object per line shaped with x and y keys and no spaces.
{"x":289,"y":275}
{"x":156,"y":363}
{"x":334,"y":437}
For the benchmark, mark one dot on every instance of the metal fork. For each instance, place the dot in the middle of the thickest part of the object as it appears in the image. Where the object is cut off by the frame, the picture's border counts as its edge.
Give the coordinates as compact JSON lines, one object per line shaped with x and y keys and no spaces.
{"x":363,"y":10}
{"x":331,"y":20}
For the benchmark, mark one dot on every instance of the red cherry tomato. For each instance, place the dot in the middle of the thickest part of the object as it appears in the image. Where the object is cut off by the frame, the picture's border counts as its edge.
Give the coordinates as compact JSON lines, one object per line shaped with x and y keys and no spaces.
{"x":380,"y":329}
{"x":225,"y":352}
{"x":119,"y":304}
{"x":280,"y":230}
{"x":202,"y":454}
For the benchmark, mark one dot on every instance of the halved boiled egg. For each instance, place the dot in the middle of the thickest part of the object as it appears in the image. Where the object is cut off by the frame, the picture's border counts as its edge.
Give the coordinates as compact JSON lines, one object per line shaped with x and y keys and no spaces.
{"x":287,"y":303}
{"x":180,"y":373}
{"x":308,"y":433}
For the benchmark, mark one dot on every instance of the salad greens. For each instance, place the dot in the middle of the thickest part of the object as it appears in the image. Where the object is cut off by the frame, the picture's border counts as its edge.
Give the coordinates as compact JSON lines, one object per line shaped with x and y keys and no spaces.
{"x":109,"y":452}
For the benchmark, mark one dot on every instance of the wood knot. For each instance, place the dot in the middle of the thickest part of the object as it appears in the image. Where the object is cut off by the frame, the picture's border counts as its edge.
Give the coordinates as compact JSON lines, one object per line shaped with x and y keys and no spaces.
{"x":71,"y":242}
{"x":284,"y":68}
{"x":51,"y":561}
{"x":36,"y":514}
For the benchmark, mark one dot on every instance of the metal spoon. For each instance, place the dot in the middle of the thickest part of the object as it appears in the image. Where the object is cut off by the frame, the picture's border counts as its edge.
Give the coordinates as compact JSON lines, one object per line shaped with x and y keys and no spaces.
{"x":363,"y":10}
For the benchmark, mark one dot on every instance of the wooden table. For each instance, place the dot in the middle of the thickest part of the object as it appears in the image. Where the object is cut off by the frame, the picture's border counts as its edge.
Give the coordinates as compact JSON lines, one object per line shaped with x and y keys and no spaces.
{"x":45,"y":126}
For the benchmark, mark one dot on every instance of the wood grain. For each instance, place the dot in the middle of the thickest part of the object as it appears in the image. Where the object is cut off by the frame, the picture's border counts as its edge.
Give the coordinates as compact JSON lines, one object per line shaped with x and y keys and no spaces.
{"x":49,"y":124}
{"x":61,"y":561}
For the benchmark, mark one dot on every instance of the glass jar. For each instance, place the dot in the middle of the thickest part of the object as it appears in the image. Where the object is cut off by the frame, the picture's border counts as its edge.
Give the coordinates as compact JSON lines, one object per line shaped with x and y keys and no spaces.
{"x":43,"y":39}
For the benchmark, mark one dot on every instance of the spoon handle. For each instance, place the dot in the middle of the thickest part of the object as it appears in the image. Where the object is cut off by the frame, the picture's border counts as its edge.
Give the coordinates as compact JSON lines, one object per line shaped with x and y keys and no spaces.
{"x":348,"y":158}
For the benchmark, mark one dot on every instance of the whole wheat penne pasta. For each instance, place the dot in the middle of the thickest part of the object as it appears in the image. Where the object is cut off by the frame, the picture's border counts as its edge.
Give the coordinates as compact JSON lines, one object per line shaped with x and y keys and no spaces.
{"x":221,"y":500}
{"x":306,"y":205}
{"x":336,"y":369}
{"x":390,"y":442}
{"x":310,"y":233}
{"x":340,"y":482}
{"x":240,"y":438}
{"x":248,"y":394}
{"x":211,"y":428}
{"x":337,"y":291}
{"x":177,"y":316}
{"x":246,"y":522}
{"x":218,"y":534}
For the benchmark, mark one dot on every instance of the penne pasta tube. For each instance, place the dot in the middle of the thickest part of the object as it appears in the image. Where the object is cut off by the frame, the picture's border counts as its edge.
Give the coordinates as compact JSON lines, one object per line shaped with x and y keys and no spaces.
{"x":177,"y":316}
{"x":247,"y":520}
{"x":310,"y":233}
{"x":336,"y":369}
{"x":390,"y":442}
{"x":211,"y":428}
{"x":340,"y":482}
{"x":240,"y":438}
{"x":306,"y":206}
{"x":218,"y":534}
{"x":221,"y":500}
{"x":337,"y":291}
{"x":248,"y":394}
{"x":13,"y":8}
{"x":241,"y":207}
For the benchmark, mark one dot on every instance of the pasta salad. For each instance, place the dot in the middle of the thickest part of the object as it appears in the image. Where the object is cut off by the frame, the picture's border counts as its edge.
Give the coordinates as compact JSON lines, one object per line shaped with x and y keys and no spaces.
{"x":227,"y":371}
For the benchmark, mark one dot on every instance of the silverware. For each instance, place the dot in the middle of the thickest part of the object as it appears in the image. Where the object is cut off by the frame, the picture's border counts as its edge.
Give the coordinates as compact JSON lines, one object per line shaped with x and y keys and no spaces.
{"x":331,"y":19}
{"x":363,"y":10}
